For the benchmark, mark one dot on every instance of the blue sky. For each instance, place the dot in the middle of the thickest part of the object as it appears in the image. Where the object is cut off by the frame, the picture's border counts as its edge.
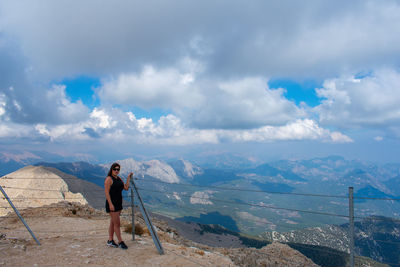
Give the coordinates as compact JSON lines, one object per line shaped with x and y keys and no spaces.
{"x":265,"y":80}
{"x":298,"y":91}
{"x":82,"y":89}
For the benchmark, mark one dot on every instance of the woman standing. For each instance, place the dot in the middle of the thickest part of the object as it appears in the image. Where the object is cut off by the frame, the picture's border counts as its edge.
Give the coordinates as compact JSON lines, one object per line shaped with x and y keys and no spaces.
{"x":113,"y":186}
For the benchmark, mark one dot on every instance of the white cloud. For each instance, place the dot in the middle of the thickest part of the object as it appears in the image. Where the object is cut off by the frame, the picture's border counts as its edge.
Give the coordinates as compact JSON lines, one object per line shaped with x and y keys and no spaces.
{"x":243,"y":103}
{"x":170,"y":130}
{"x":299,"y":130}
{"x":65,"y":110}
{"x":152,"y":88}
{"x":42,"y":129}
{"x":201,"y":102}
{"x":102,"y":118}
{"x":371,"y":101}
{"x":2,"y":104}
{"x":337,"y":137}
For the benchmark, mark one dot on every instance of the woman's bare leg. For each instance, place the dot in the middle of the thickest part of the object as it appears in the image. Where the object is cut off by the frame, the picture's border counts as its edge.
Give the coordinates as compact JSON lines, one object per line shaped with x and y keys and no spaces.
{"x":111,"y":228}
{"x":116,"y":223}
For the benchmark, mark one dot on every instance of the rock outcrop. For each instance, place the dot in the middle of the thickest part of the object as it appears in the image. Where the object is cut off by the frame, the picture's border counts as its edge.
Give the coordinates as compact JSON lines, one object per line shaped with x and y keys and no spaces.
{"x":32,"y":186}
{"x":275,"y":254}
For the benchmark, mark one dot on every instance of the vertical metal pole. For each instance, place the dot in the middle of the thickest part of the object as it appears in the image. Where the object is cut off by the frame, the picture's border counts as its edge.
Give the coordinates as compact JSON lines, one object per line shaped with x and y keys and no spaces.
{"x":133,"y":214}
{"x":351,"y":226}
{"x":146,"y":218}
{"x":19,"y":215}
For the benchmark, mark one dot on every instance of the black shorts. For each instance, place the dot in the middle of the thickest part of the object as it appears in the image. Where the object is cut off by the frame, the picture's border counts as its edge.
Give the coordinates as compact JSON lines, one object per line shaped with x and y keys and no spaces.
{"x":117,"y":206}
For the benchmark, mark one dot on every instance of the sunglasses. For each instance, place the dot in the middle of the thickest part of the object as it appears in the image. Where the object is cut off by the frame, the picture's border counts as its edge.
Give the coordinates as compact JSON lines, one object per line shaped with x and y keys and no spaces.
{"x":116,"y":169}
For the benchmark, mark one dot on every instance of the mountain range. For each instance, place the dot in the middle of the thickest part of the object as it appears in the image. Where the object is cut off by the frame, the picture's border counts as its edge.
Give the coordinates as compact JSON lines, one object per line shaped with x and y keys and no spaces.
{"x":43,"y":186}
{"x":269,"y":193}
{"x":281,"y":196}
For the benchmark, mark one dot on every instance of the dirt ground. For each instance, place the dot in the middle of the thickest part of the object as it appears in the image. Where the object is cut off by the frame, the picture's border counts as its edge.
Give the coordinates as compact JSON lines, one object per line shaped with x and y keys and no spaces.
{"x":72,"y":240}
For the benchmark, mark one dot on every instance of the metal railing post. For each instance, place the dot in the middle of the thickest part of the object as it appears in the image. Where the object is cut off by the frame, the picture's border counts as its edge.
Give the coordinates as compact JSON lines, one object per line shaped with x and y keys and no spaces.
{"x":19,"y":215}
{"x":147,"y":220}
{"x":133,"y":213}
{"x":351,"y":226}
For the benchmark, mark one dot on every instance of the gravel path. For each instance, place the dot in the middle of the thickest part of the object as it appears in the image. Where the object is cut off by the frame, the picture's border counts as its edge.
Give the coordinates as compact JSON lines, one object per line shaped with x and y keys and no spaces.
{"x":79,"y":241}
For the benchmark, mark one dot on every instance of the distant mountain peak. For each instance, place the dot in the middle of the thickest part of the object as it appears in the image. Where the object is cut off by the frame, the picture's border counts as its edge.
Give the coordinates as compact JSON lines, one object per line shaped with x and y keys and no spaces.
{"x":185,"y":168}
{"x":160,"y":170}
{"x":154,"y":168}
{"x":20,"y":157}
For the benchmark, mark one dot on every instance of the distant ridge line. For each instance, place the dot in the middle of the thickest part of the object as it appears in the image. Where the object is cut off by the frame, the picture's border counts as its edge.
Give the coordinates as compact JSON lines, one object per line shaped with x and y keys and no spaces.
{"x":270,"y":207}
{"x":226,"y":188}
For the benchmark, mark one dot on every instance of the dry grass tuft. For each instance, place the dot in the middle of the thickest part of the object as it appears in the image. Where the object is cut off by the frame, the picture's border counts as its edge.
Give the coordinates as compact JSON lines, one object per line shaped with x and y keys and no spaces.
{"x":146,"y":231}
{"x":128,"y":228}
{"x":138,"y":229}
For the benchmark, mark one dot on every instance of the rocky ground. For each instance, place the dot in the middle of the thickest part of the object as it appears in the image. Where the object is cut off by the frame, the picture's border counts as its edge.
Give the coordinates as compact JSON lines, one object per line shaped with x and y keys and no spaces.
{"x":75,"y":235}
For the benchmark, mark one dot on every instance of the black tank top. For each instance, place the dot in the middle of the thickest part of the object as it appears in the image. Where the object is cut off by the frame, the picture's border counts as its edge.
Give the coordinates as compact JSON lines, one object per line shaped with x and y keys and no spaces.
{"x":115,"y":194}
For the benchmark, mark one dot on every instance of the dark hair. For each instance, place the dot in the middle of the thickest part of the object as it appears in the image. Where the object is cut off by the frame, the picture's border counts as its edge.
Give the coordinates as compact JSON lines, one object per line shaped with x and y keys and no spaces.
{"x":112,"y":167}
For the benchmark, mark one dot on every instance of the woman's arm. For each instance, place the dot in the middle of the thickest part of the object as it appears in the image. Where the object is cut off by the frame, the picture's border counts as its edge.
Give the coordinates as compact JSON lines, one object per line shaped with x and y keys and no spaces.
{"x":107,"y":185}
{"x":126,"y":185}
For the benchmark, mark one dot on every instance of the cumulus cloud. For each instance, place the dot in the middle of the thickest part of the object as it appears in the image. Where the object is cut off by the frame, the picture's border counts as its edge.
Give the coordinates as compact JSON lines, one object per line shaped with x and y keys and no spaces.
{"x":152,"y":88}
{"x":203,"y":102}
{"x":299,"y":130}
{"x":370,"y":101}
{"x":113,"y":125}
{"x":240,"y":104}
